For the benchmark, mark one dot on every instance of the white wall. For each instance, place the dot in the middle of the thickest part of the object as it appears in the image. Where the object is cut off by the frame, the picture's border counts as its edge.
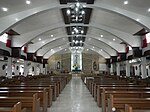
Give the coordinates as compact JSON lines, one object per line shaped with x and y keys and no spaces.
{"x":102,"y":67}
{"x":2,"y":72}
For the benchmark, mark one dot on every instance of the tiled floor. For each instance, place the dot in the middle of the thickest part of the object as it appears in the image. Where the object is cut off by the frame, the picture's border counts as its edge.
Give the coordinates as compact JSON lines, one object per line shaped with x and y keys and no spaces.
{"x":75,"y":98}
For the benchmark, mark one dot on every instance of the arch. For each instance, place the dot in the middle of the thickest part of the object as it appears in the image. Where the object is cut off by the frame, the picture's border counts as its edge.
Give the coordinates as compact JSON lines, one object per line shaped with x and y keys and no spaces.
{"x":9,"y":21}
{"x":50,"y":53}
{"x":19,"y":41}
{"x":112,"y":48}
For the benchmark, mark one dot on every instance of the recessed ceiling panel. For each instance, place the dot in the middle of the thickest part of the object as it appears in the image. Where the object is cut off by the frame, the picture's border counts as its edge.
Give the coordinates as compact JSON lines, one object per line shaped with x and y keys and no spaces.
{"x":77,"y":30}
{"x":72,"y":1}
{"x":71,"y":16}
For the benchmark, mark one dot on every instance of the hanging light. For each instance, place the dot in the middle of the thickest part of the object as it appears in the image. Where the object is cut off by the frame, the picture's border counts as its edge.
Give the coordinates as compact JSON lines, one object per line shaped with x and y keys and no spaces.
{"x":68,"y":11}
{"x":83,"y":12}
{"x":78,"y":4}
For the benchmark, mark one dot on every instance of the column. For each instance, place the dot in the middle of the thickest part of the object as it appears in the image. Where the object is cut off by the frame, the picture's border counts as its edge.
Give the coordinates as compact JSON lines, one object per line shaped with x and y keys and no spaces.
{"x":26,"y":68}
{"x":127,"y":68}
{"x":143,"y":67}
{"x":111,"y":69}
{"x":35,"y":67}
{"x":41,"y":68}
{"x":9,"y":69}
{"x":148,"y":70}
{"x":118,"y":69}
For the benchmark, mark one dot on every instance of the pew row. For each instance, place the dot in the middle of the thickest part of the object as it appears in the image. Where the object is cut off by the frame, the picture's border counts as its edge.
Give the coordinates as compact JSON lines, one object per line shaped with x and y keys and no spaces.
{"x":32,"y":104}
{"x":114,"y":88}
{"x":135,"y":103}
{"x":31,"y":88}
{"x":16,"y":108}
{"x":43,"y":95}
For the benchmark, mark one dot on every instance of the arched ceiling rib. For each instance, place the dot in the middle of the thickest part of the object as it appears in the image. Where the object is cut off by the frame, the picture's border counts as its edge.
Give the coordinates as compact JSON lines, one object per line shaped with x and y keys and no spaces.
{"x":8,"y":21}
{"x":107,"y":49}
{"x":104,"y":42}
{"x":103,"y":53}
{"x":113,"y":49}
{"x":107,"y":16}
{"x":32,"y":48}
{"x":51,"y":52}
{"x":20,"y":40}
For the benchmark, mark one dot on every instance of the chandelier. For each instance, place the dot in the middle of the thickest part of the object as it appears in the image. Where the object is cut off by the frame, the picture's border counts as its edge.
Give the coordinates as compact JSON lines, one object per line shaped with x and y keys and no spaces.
{"x":76,"y":12}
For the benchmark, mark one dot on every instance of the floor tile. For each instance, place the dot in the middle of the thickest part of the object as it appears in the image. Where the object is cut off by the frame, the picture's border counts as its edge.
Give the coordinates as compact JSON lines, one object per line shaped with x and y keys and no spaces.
{"x":75,"y":98}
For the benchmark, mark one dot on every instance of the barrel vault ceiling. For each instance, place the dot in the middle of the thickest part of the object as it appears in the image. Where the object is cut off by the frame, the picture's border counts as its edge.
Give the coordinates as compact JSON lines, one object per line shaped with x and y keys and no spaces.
{"x":56,"y":26}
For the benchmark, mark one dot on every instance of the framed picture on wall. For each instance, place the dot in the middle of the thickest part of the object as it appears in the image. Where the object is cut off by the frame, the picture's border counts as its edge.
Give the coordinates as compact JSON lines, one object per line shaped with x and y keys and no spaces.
{"x":94,"y":65}
{"x":58,"y":65}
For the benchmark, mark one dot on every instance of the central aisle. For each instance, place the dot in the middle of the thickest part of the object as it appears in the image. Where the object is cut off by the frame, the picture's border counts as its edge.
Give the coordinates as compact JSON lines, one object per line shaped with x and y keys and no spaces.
{"x":75,"y":98}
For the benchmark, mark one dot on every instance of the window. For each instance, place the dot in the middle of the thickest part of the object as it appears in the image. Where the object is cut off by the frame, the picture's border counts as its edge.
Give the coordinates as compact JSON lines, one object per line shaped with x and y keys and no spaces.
{"x":148,"y":37}
{"x":3,"y":38}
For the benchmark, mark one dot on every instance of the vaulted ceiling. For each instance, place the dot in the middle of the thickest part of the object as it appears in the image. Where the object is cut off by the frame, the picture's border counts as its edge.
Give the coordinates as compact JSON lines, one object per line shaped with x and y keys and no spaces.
{"x":53,"y":26}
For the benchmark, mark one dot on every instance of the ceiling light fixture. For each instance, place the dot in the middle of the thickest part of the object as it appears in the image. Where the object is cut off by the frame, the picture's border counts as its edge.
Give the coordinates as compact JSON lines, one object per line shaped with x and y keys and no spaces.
{"x":68,"y":11}
{"x":78,"y":4}
{"x":52,"y":35}
{"x":83,"y":12}
{"x":28,"y":2}
{"x":39,"y":39}
{"x":137,"y":19}
{"x":102,"y":35}
{"x":148,"y":10}
{"x":80,"y":41}
{"x":76,"y":12}
{"x":76,"y":9}
{"x":126,"y":2}
{"x":4,"y":9}
{"x":114,"y":39}
{"x":16,"y":19}
{"x":82,"y":31}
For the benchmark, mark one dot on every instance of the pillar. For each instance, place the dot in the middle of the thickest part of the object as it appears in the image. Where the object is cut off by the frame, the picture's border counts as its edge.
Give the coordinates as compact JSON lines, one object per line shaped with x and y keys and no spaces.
{"x":148,"y":70}
{"x":35,"y":67}
{"x":127,"y":68}
{"x":26,"y":68}
{"x":118,"y":69}
{"x":143,"y":67}
{"x":9,"y":69}
{"x":111,"y":69}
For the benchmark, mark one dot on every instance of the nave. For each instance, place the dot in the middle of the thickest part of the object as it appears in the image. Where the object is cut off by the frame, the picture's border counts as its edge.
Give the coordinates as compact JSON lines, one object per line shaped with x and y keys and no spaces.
{"x":75,"y":98}
{"x":44,"y":42}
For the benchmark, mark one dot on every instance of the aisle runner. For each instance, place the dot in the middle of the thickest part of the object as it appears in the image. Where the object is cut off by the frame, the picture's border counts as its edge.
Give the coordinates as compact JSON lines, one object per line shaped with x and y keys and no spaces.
{"x":75,"y":98}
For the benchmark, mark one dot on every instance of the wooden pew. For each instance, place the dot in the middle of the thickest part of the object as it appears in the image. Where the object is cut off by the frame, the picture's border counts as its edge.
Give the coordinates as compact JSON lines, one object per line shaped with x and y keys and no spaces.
{"x":96,"y":87}
{"x":53,"y":86}
{"x":32,"y":103}
{"x":115,"y":88}
{"x":15,"y":108}
{"x":136,"y":103}
{"x":31,"y":88}
{"x":43,"y":95}
{"x":128,"y":108}
{"x":122,"y":94}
